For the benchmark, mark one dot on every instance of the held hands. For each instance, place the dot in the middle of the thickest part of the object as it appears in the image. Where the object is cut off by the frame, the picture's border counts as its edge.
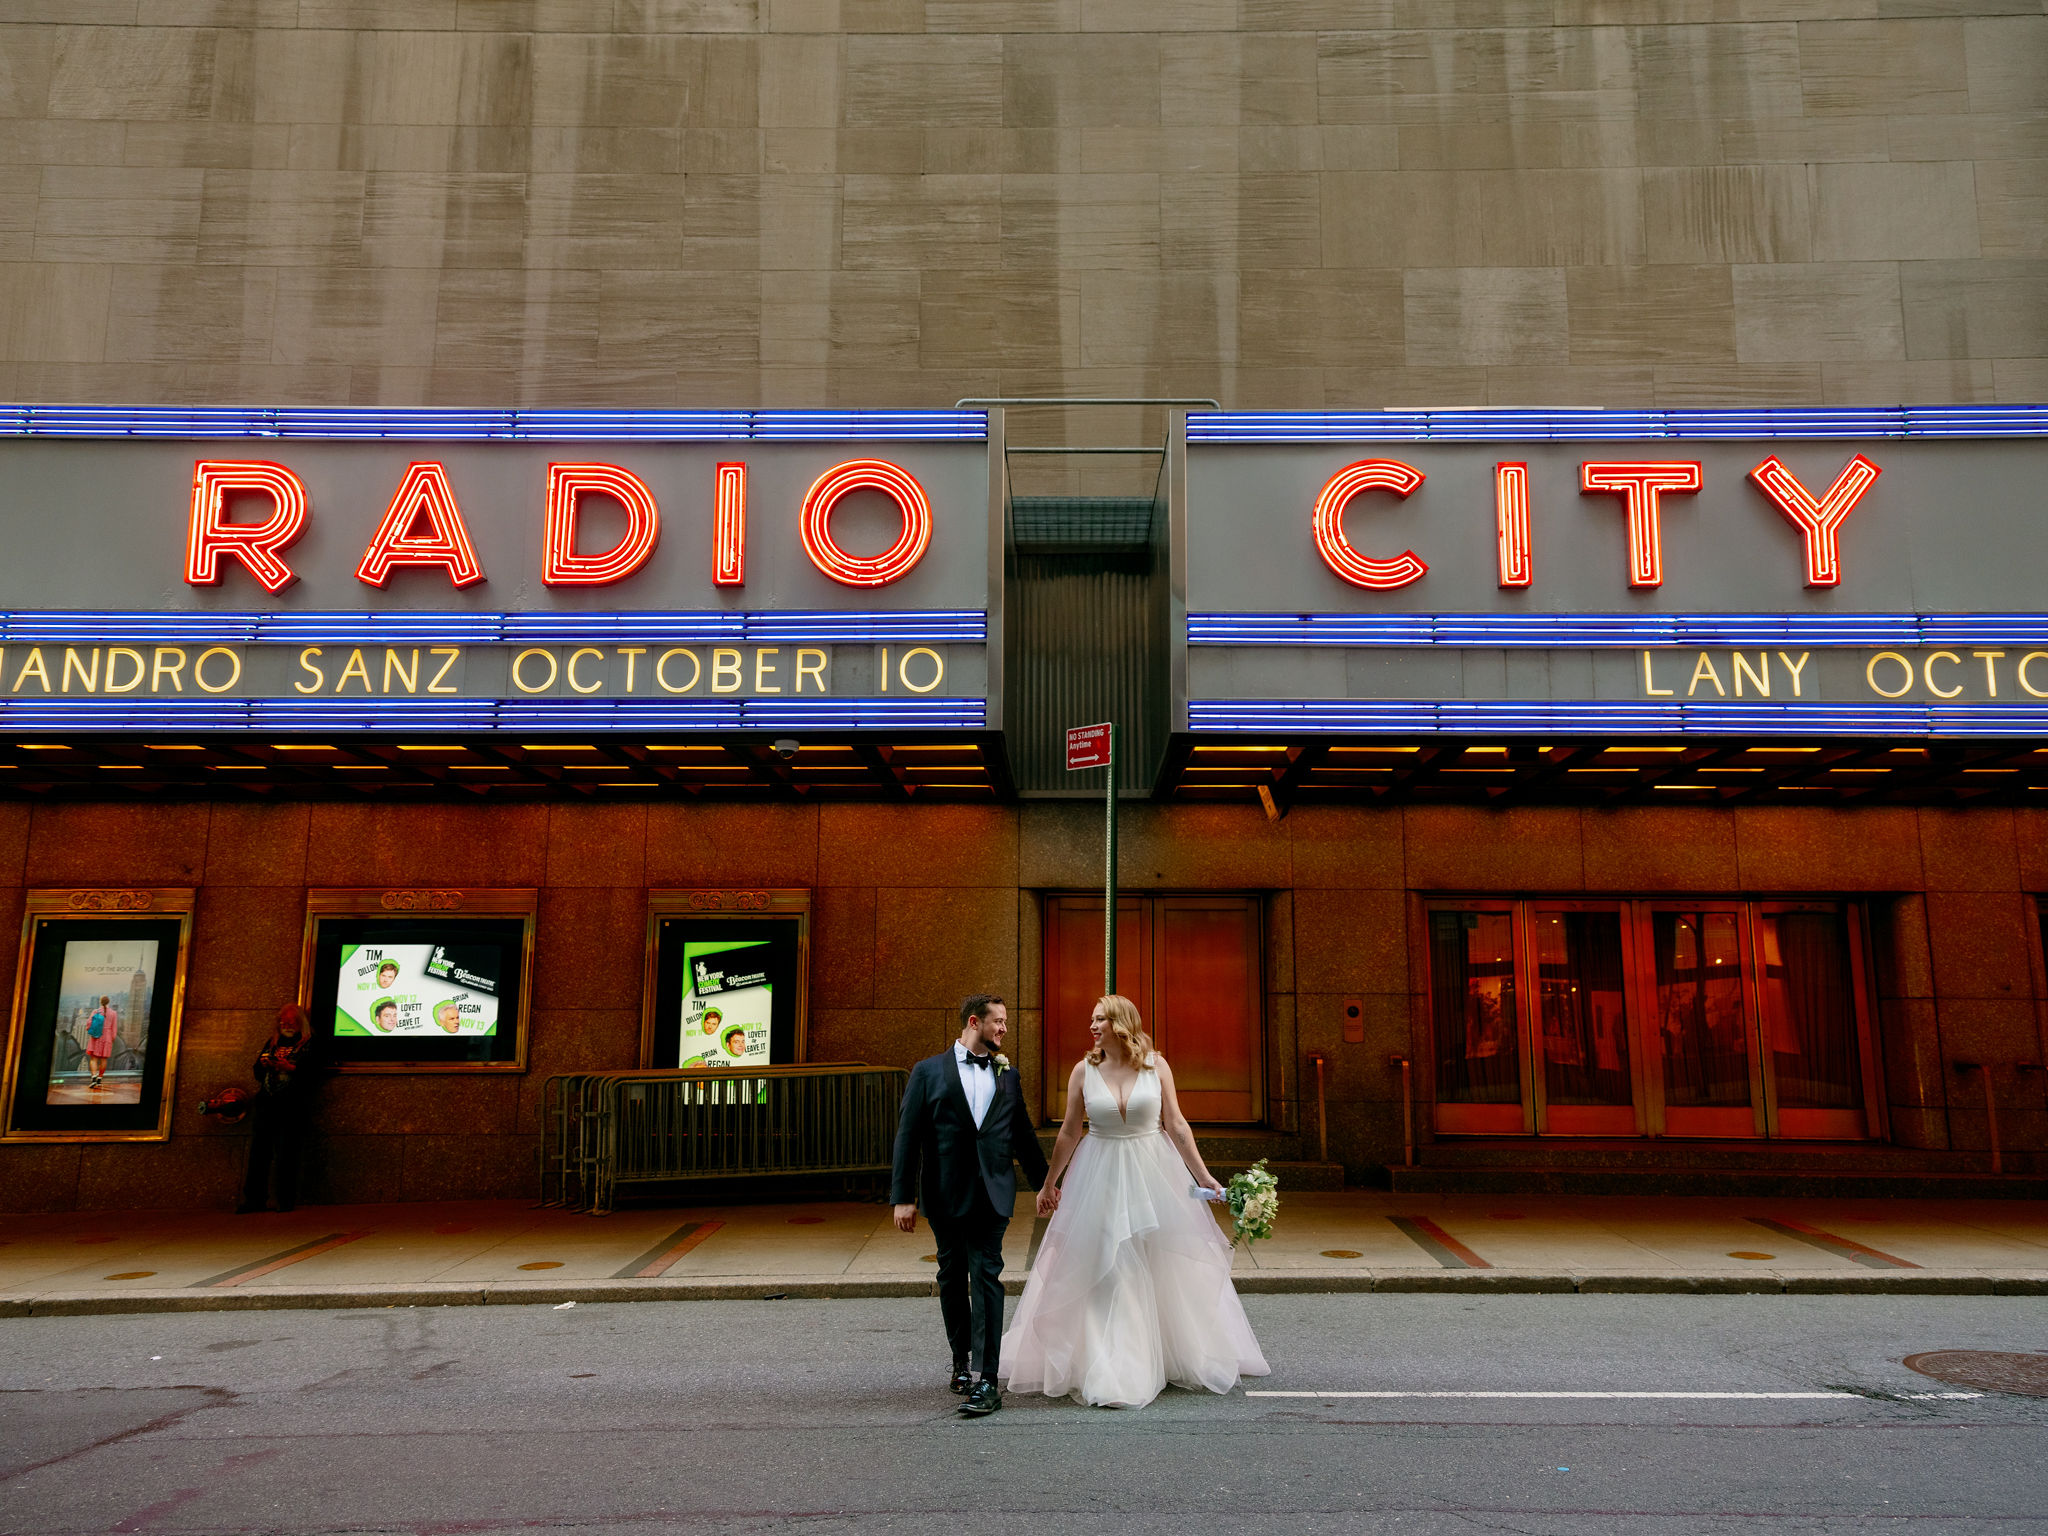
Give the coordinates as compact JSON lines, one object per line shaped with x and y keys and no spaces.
{"x":1048,"y":1199}
{"x":906,"y":1218}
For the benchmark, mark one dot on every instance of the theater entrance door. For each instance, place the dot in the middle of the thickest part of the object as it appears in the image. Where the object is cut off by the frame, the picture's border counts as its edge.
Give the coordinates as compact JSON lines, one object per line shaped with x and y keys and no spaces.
{"x":1192,"y":965}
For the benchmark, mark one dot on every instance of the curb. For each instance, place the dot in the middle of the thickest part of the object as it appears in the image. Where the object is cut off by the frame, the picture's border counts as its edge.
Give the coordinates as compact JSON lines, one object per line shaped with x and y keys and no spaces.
{"x":1497,"y":1282}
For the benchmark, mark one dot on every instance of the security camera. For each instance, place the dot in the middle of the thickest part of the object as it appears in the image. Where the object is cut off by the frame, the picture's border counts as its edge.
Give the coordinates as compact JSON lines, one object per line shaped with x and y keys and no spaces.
{"x":784,"y":749}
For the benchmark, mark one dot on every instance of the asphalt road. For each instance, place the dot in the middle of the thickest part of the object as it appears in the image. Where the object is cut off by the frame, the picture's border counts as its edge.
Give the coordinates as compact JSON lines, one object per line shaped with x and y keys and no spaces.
{"x":832,"y":1416}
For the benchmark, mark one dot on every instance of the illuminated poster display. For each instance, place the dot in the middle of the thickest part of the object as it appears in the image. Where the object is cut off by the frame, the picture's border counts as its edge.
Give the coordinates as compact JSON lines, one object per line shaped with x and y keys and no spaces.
{"x":726,"y":978}
{"x":728,"y":1013}
{"x":417,"y":989}
{"x":420,"y":981}
{"x":92,"y":1042}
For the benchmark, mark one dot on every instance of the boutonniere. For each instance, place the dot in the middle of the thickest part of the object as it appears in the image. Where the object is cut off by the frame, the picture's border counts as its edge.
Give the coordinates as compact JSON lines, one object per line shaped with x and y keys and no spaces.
{"x":1002,"y":1064}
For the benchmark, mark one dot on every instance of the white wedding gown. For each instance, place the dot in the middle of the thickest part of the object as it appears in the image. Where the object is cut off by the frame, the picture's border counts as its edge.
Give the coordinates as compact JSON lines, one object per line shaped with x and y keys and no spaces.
{"x":1131,"y":1288}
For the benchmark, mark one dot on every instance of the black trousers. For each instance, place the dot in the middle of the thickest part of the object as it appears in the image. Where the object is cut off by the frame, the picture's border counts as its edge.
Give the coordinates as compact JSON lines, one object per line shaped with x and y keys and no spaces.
{"x":277,"y":1128}
{"x":971,"y":1285}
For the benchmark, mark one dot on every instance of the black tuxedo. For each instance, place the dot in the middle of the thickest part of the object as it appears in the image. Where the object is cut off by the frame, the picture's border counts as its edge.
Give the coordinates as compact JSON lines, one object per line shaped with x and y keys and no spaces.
{"x":968,"y":1180}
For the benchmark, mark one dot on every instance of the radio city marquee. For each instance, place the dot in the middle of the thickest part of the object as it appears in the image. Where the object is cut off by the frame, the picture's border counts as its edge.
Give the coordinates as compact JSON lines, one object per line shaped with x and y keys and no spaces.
{"x":325,"y":571}
{"x":1719,"y":583}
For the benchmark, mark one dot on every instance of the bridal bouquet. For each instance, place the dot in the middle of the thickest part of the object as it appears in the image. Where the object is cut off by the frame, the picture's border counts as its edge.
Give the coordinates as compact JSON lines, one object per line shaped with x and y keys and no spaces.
{"x":1254,"y":1200}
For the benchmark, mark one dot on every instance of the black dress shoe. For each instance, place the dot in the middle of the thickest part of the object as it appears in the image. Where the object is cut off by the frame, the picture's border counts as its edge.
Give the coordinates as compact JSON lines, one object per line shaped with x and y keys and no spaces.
{"x":963,"y":1380}
{"x":984,"y":1400}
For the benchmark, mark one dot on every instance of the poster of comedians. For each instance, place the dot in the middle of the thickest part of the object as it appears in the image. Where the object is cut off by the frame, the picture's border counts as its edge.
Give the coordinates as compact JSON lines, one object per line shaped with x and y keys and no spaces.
{"x":417,"y":989}
{"x":728,"y":1004}
{"x":102,"y":1022}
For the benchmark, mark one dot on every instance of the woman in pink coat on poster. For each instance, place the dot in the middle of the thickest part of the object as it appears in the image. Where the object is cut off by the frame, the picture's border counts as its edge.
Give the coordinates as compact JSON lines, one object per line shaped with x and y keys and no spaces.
{"x":99,"y":1048}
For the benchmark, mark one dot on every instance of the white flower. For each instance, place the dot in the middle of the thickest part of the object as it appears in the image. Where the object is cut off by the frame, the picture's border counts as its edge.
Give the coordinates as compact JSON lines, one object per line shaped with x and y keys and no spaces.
{"x":1002,"y":1063}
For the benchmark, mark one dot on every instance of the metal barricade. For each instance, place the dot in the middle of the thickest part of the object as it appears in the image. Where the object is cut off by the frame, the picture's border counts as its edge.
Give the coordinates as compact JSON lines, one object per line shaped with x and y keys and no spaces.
{"x":606,"y":1130}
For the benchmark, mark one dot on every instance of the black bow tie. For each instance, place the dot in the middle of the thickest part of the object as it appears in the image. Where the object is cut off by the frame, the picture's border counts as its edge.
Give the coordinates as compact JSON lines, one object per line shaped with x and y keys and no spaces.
{"x":978,"y":1061}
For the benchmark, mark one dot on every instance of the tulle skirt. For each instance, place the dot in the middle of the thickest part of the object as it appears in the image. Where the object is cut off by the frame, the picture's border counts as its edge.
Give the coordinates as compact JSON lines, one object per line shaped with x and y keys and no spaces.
{"x":1131,"y":1288}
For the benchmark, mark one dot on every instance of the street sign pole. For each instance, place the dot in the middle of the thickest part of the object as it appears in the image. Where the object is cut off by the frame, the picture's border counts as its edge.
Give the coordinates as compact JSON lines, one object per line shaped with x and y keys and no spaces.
{"x":1109,"y":873}
{"x":1094,"y":746}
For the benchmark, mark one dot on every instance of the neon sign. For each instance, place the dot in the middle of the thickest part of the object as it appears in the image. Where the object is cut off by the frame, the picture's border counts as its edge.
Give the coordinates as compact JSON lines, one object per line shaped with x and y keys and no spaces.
{"x":423,"y":525}
{"x":1641,"y":485}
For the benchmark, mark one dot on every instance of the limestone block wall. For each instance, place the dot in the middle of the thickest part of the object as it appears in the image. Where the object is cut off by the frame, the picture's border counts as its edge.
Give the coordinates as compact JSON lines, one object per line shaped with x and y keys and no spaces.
{"x":876,"y":202}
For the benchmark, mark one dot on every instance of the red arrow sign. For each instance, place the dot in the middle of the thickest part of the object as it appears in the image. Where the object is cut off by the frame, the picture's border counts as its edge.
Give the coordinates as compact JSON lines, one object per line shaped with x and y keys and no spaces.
{"x":1087,"y":746}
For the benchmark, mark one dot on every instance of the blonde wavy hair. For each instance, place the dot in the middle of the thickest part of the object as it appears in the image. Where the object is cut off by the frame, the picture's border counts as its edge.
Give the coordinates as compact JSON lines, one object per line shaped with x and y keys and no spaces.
{"x":1127,"y":1026}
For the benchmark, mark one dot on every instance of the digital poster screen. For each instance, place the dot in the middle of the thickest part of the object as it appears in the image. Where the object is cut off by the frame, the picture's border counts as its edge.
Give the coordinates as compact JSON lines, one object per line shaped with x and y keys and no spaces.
{"x":417,"y":989}
{"x":419,"y":992}
{"x":728,"y":1012}
{"x":726,"y":992}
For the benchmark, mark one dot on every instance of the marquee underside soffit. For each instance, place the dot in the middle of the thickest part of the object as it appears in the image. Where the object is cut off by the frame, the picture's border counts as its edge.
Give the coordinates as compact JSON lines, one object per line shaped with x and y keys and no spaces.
{"x":958,"y":768}
{"x":1605,"y":772}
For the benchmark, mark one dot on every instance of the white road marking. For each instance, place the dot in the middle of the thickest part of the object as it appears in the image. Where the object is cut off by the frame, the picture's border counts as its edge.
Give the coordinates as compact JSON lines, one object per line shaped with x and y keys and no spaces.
{"x":1686,"y":1396}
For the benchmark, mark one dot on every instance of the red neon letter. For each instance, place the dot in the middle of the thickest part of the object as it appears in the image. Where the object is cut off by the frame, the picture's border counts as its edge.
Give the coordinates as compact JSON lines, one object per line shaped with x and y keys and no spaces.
{"x":560,"y":565}
{"x":1821,"y":521}
{"x":1641,"y":485}
{"x":814,"y":524}
{"x":1511,"y":519}
{"x":423,"y":493}
{"x":1337,"y":551}
{"x":256,"y":545}
{"x":729,"y":528}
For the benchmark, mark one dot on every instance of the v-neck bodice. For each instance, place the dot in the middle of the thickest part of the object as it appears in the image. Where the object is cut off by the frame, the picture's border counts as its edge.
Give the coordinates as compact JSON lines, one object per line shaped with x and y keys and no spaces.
{"x":1138,"y":1117}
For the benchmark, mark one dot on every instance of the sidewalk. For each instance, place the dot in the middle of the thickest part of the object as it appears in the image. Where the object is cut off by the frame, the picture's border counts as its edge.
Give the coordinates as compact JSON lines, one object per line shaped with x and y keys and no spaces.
{"x":498,"y":1252}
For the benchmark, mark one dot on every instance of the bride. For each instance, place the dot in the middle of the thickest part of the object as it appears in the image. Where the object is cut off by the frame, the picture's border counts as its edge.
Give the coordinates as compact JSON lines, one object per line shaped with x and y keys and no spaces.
{"x":1131,"y":1288}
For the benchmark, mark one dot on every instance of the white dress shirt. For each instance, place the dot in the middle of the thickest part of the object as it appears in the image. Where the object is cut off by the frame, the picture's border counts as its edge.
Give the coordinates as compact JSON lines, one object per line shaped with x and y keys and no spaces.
{"x":978,"y":1083}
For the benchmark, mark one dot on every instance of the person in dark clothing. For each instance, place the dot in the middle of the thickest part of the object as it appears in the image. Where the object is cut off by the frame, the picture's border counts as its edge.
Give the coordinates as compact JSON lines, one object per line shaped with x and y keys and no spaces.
{"x":963,"y":1131}
{"x":287,"y":1072}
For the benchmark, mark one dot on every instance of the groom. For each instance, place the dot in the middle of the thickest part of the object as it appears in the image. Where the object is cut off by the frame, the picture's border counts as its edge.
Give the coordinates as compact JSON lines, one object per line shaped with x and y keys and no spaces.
{"x":964,"y":1123}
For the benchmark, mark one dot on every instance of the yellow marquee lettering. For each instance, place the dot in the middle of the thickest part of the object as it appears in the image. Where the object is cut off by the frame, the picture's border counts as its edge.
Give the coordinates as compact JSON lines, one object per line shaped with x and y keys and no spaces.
{"x":1763,"y":683}
{"x":632,"y":653}
{"x":725,"y":663}
{"x":72,"y":663}
{"x":391,"y":664}
{"x":454,"y":654}
{"x":355,"y":669}
{"x":199,"y":668}
{"x":160,"y":669}
{"x":2026,"y":661}
{"x":763,"y":671}
{"x":141,"y":669}
{"x":1905,"y":666}
{"x":1703,"y":672}
{"x":938,"y":669}
{"x":306,"y":665}
{"x":519,"y":671}
{"x":1795,"y":668}
{"x":661,"y":670}
{"x":1650,"y":688}
{"x":33,"y":667}
{"x":813,"y":669}
{"x":1990,"y":671}
{"x":1927,"y":671}
{"x":577,"y":655}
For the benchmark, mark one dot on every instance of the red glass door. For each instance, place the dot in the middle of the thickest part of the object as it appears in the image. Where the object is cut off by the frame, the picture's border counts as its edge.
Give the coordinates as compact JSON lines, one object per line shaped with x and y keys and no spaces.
{"x":1809,"y":983}
{"x":1710,"y":1079}
{"x":1478,"y":1029}
{"x":1586,"y":1082}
